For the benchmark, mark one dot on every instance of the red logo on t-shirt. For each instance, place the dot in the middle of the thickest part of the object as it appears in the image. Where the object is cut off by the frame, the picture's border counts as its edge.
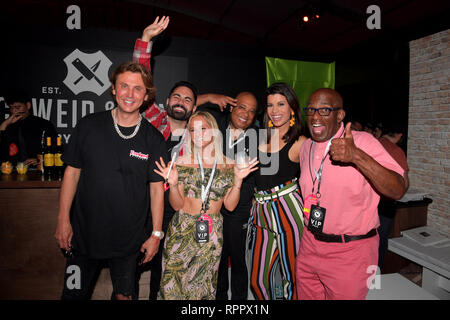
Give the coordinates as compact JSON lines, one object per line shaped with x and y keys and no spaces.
{"x":13,"y":149}
{"x":138,"y":155}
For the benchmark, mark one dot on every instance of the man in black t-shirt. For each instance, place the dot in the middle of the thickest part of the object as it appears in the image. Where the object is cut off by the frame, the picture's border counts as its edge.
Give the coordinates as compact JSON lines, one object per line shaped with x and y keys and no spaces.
{"x":21,"y":133}
{"x":106,"y":189}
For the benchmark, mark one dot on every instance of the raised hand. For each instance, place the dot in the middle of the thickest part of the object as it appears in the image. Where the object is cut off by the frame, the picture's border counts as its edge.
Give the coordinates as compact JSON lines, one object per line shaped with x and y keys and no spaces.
{"x":343,"y":149}
{"x":13,"y":118}
{"x":222,"y":101}
{"x":241,"y":172}
{"x":163,"y":170}
{"x":158,"y":26}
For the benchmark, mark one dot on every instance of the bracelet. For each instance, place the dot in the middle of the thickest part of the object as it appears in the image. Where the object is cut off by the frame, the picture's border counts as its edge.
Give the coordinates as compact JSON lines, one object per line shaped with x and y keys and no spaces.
{"x":173,"y":185}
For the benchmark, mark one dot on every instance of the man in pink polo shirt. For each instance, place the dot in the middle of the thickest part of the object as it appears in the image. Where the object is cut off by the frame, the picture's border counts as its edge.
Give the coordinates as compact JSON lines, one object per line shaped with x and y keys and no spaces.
{"x":342,"y":175}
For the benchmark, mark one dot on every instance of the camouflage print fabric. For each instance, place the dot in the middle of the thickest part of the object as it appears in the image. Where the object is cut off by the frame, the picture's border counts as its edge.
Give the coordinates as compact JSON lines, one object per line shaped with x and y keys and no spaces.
{"x":190,"y":268}
{"x":192,"y":182}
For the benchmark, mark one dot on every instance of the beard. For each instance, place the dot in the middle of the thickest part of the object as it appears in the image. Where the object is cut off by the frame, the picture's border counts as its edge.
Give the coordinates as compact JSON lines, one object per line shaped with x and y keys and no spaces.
{"x":178,"y":115}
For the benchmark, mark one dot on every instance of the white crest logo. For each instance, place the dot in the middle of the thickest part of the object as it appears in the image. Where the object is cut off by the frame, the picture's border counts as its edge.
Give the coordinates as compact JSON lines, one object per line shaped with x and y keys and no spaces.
{"x":87,"y":72}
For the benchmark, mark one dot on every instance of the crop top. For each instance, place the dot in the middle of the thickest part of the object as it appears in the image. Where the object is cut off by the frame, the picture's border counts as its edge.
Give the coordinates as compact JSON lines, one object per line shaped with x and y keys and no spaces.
{"x":286,"y":170}
{"x":192,"y":179}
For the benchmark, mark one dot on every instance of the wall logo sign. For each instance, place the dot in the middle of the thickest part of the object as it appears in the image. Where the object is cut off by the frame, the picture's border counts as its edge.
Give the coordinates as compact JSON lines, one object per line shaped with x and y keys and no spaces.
{"x":87,"y":72}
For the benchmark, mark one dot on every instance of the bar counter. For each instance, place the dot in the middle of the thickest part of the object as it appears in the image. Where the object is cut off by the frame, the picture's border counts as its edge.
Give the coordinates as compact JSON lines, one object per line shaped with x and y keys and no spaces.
{"x":31,"y":179}
{"x":31,"y":264}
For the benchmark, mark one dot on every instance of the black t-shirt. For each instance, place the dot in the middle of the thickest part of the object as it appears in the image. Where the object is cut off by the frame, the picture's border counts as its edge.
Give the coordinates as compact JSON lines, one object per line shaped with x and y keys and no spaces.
{"x":112,"y":204}
{"x":283,"y":168}
{"x":171,"y":142}
{"x":22,"y":140}
{"x":247,"y":143}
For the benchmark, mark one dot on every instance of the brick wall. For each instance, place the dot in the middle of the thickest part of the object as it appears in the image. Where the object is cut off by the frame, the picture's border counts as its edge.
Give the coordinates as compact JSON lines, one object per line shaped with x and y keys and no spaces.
{"x":429,"y":124}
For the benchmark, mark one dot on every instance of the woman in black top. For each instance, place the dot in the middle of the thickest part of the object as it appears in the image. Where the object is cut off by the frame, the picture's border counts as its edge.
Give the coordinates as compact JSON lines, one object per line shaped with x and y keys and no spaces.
{"x":276,"y":216}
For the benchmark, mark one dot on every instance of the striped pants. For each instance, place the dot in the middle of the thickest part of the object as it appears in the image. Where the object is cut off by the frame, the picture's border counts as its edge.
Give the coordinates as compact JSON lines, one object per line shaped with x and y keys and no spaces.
{"x":276,"y":227}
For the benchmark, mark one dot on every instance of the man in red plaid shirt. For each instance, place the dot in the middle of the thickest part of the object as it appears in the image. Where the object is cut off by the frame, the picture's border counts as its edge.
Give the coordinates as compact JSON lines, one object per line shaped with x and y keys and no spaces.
{"x":156,"y":115}
{"x":171,"y":121}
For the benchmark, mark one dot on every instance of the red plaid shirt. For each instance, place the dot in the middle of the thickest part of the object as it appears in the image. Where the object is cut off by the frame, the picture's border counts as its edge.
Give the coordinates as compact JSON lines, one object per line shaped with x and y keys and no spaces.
{"x":157,"y":116}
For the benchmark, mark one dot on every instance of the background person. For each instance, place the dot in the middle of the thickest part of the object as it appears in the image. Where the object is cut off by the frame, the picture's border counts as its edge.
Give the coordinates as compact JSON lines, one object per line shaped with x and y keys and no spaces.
{"x":378,"y":130}
{"x":21,"y":133}
{"x":390,"y":140}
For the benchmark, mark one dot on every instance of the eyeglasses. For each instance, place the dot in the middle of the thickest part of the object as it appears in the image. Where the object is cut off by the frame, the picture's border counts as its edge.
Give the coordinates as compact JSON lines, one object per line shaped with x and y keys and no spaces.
{"x":322,"y":111}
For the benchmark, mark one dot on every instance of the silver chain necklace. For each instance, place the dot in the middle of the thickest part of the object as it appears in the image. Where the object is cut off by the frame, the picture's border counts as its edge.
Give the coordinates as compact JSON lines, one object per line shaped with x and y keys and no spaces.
{"x":118,"y":130}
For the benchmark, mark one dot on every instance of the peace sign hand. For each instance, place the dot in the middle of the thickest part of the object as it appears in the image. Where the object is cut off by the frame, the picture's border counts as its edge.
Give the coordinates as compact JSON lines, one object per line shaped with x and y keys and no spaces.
{"x":163,"y":170}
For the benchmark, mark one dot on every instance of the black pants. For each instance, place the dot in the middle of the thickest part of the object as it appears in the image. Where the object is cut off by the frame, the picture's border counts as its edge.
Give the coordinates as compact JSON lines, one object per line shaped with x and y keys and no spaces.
{"x":386,"y":213}
{"x":234,"y":241}
{"x":82,"y":274}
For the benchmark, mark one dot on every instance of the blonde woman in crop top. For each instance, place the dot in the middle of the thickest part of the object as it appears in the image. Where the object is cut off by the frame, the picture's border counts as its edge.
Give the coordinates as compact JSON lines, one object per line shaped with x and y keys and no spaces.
{"x":201,"y":181}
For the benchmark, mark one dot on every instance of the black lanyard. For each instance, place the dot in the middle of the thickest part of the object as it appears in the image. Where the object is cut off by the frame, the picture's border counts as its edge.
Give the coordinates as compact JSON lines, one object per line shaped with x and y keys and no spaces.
{"x":318,"y":174}
{"x":175,"y":152}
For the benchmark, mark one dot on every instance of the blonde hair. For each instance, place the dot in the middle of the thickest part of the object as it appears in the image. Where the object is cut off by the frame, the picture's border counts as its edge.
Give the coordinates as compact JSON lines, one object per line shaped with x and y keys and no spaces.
{"x":216,"y":136}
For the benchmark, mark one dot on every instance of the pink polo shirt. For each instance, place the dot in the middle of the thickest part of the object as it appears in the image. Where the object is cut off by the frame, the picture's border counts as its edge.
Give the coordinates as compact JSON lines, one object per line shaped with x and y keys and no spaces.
{"x":348,"y":197}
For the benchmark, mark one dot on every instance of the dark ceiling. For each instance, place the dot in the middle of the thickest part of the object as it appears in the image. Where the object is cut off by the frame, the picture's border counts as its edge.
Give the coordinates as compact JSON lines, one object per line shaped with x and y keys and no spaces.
{"x":273,"y":26}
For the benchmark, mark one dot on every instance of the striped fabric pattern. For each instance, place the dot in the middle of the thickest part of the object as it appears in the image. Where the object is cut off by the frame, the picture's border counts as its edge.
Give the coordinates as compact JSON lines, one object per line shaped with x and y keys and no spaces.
{"x":277,"y":228}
